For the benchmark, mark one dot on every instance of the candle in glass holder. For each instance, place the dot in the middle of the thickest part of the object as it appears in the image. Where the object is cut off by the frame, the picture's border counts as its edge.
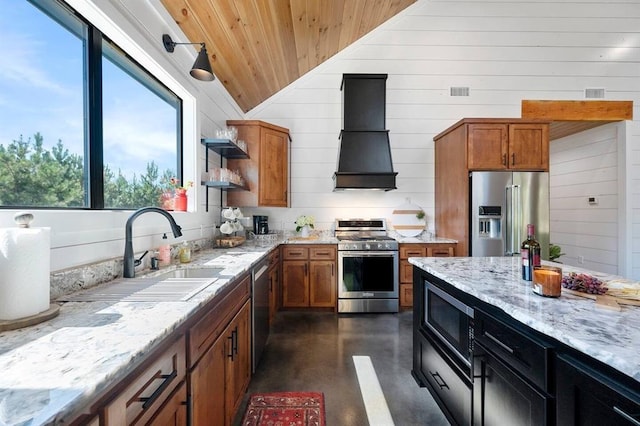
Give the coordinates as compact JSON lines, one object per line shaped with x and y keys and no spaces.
{"x":547,"y":281}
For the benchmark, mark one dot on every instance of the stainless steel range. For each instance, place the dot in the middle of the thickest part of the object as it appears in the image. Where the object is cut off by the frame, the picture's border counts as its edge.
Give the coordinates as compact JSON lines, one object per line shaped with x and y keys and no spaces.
{"x":367,"y":266}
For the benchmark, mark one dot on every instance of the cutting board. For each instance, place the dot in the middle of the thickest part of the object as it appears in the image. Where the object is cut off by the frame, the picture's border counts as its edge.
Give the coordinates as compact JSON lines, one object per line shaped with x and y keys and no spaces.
{"x":604,"y":300}
{"x":404,"y":219}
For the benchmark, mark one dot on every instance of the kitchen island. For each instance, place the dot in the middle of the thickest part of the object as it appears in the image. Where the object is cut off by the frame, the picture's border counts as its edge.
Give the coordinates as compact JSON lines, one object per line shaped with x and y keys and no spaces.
{"x":542,"y":348}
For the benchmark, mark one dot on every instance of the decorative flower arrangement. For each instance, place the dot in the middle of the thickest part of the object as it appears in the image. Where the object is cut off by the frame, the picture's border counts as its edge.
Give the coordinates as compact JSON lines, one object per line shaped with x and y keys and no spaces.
{"x":175,"y":184}
{"x":303,"y":221}
{"x":420,"y":215}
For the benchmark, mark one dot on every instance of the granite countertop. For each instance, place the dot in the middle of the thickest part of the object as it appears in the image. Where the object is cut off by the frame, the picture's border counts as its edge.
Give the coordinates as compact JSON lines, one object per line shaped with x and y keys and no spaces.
{"x":609,"y":336}
{"x":53,"y":370}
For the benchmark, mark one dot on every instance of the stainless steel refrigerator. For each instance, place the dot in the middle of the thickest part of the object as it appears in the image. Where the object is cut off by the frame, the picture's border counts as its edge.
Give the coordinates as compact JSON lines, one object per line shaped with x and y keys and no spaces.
{"x":502,"y":204}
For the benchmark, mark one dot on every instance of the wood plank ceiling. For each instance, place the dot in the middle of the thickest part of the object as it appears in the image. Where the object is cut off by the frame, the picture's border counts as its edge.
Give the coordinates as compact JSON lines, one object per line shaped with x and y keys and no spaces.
{"x":257,"y":47}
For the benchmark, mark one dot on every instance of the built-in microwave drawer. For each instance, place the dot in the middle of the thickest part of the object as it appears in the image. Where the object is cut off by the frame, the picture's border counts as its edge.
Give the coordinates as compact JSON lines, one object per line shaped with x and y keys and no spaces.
{"x":524,"y":353}
{"x":452,"y":390}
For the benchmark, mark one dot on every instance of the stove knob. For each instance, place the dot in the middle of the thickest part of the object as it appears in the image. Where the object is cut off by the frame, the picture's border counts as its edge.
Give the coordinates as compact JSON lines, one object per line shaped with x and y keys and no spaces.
{"x":380,"y":246}
{"x":367,"y":246}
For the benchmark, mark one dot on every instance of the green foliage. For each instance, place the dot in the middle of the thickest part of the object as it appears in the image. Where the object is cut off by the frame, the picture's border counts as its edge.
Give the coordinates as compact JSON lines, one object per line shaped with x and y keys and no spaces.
{"x":32,"y":176}
{"x":554,"y":252}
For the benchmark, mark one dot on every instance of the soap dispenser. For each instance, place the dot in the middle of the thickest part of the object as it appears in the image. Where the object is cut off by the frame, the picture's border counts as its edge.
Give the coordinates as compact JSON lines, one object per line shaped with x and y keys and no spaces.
{"x":185,"y":253}
{"x":165,"y":251}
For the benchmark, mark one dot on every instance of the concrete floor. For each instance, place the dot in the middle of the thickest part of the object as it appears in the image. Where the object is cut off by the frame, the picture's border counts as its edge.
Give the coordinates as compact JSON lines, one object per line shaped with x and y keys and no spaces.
{"x":312,"y":351}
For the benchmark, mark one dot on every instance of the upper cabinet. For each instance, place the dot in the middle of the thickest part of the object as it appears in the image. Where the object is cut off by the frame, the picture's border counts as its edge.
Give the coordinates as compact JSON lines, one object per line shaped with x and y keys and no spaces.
{"x":508,"y":146}
{"x":266,"y":172}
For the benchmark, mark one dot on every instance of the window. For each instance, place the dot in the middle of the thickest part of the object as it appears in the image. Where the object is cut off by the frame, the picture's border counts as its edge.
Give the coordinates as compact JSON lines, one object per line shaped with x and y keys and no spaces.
{"x":83,"y":125}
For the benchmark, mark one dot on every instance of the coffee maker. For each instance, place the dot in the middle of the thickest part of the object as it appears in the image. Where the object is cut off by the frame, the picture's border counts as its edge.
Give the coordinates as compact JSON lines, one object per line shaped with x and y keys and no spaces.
{"x":260,"y":225}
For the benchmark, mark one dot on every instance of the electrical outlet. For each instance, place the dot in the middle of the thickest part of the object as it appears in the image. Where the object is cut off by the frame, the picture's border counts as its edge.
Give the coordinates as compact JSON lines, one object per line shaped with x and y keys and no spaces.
{"x":581,"y":259}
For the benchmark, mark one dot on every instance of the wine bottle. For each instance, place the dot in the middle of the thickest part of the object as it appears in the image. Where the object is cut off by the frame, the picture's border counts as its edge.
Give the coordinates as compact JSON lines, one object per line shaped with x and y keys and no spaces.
{"x":530,"y":253}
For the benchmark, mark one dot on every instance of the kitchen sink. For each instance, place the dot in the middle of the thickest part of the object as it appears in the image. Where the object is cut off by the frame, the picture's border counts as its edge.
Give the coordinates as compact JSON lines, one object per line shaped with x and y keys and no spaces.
{"x":178,"y":285}
{"x":189,"y":273}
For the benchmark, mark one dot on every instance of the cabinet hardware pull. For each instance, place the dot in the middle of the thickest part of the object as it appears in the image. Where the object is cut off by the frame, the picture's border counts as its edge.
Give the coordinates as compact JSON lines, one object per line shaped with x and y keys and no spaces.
{"x":305,"y":269}
{"x":230,"y":354}
{"x":332,"y":273}
{"x":168,"y":378}
{"x":626,"y":416}
{"x":439,"y":381}
{"x":504,"y":159}
{"x":513,"y":159}
{"x":499,"y":343}
{"x":234,"y":334}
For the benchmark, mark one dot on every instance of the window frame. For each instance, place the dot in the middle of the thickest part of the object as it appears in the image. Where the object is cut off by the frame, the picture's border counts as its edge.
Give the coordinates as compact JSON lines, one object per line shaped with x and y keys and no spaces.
{"x":62,"y":14}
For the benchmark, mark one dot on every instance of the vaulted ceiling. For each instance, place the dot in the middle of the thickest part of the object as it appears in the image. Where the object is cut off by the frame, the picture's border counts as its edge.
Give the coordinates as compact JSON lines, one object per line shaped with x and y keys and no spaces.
{"x":257,"y":47}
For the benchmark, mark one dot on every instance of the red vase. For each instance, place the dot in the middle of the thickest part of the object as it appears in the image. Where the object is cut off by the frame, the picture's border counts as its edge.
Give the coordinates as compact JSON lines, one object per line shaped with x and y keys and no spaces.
{"x":180,"y":200}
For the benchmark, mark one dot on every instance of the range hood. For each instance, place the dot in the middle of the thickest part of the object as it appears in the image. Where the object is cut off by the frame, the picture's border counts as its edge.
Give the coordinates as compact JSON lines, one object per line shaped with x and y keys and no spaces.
{"x":364,"y":158}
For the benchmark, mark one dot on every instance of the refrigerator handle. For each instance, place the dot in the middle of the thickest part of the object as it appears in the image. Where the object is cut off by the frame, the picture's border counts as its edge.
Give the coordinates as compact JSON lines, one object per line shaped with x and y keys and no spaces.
{"x":508,"y":229}
{"x":513,"y":218}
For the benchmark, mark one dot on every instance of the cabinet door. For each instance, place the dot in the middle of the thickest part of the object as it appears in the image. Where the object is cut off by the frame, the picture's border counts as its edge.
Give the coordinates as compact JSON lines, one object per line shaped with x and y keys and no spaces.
{"x":529,"y":146}
{"x":585,"y":397}
{"x":322,"y":284}
{"x":406,"y":295}
{"x":238,"y":369}
{"x":487,"y":146}
{"x":174,"y":410}
{"x":295,"y":284}
{"x":274,"y":171}
{"x":207,"y":385}
{"x":501,"y":397}
{"x":274,"y":292}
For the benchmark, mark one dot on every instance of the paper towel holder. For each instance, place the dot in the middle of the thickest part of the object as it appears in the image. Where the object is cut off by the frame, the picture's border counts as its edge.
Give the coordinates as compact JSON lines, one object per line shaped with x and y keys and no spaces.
{"x":23,"y":219}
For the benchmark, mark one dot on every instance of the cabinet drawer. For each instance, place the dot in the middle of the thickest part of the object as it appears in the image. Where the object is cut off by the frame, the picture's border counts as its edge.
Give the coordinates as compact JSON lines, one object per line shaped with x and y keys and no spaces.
{"x":525,"y":354}
{"x":274,"y":258}
{"x":412,"y":250}
{"x":440,"y":251}
{"x":295,"y":253}
{"x":206,"y":331}
{"x":148,"y":389}
{"x":322,"y":253}
{"x":452,"y":392}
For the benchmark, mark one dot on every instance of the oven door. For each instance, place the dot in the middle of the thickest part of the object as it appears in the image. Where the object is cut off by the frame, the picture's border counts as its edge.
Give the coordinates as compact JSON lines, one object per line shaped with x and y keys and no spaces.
{"x":450,"y":320}
{"x":368,"y":274}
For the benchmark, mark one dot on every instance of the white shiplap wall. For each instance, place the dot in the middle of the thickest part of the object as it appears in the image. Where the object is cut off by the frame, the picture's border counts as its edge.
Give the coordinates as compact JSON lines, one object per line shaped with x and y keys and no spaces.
{"x":504,"y":51}
{"x":586,"y":165}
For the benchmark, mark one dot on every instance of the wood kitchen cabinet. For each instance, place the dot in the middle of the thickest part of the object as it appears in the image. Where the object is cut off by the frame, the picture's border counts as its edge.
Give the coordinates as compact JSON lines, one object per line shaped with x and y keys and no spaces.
{"x":274,"y":284}
{"x":309,"y":276}
{"x":481,"y":144}
{"x":154,"y":391}
{"x":266,"y":172}
{"x":220,"y":358}
{"x":408,"y":250}
{"x":508,"y":146}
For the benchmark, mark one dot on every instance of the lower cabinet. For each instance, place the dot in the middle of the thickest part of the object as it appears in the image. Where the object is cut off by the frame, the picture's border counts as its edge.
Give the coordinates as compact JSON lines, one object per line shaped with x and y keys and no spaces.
{"x":220,"y":349}
{"x":586,"y":396}
{"x":155,"y":391}
{"x":449,"y":386}
{"x":309,"y":276}
{"x":408,"y":250}
{"x":274,"y":284}
{"x":502,"y":397}
{"x":174,"y":410}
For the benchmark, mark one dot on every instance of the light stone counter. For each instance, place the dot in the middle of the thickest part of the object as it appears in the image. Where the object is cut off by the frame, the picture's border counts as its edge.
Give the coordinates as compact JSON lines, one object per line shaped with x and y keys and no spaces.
{"x":609,"y":336}
{"x":52,"y":371}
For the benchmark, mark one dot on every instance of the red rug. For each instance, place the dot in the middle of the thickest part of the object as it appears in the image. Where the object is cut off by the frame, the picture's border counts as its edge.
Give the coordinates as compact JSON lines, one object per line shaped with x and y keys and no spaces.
{"x":285,"y":409}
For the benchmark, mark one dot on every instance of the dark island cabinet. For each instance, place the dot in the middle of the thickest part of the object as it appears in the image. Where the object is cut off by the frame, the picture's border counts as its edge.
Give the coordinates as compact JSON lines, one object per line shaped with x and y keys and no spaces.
{"x":502,"y":396}
{"x":586,"y":396}
{"x":510,"y":374}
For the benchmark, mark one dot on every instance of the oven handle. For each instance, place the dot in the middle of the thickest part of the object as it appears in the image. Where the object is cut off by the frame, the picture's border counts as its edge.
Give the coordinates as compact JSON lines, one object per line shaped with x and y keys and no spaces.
{"x":386,"y":253}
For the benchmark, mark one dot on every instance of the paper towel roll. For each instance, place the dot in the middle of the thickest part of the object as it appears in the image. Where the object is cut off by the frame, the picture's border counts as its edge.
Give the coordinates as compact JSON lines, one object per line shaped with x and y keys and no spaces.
{"x":25,"y":260}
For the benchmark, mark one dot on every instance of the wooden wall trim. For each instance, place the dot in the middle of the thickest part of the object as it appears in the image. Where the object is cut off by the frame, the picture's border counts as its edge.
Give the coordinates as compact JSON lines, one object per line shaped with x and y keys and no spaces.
{"x":570,"y":117}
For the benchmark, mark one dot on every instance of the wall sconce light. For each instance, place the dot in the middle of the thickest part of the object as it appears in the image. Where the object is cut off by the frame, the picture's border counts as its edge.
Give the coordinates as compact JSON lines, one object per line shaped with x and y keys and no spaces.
{"x":201,"y":69}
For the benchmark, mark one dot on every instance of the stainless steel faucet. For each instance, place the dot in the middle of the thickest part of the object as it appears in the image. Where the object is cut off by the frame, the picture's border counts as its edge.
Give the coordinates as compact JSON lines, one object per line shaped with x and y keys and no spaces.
{"x":129,"y":260}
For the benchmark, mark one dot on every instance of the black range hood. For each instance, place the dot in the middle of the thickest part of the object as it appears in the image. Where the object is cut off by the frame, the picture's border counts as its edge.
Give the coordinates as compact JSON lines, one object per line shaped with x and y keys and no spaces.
{"x":364,"y":159}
